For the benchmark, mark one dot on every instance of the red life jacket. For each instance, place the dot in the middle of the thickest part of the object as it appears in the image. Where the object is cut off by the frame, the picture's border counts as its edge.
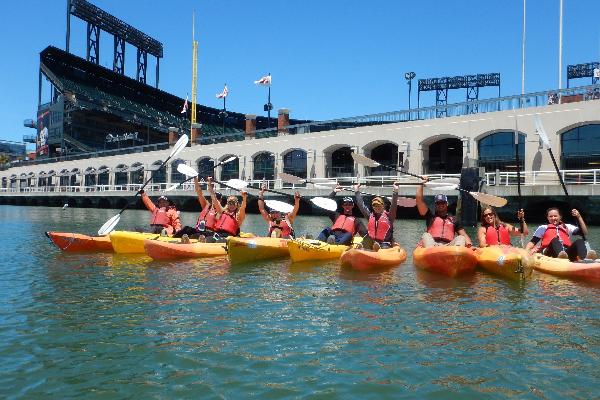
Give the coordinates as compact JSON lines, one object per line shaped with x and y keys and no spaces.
{"x":286,"y":228}
{"x":442,"y":228}
{"x":160,"y":217}
{"x":227,"y":223}
{"x":209,"y":216}
{"x":495,"y":236}
{"x":553,"y":231}
{"x":346,"y":223}
{"x":378,"y":228}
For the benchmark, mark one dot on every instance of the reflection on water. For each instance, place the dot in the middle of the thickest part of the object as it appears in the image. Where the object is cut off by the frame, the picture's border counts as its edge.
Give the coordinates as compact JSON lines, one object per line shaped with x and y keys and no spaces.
{"x":123,"y":326}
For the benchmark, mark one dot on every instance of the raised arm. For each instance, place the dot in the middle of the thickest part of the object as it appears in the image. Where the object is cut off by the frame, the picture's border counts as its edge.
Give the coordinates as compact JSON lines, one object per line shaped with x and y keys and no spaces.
{"x":582,"y":225}
{"x":421,"y":206}
{"x":291,"y":216}
{"x":360,"y":202}
{"x":261,"y":204}
{"x":147,"y":202}
{"x":516,"y":231}
{"x":241,"y":214}
{"x":213,"y":197}
{"x":201,"y":199}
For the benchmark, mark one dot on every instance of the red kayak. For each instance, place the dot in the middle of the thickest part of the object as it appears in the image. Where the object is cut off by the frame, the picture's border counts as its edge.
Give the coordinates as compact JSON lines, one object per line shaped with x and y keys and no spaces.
{"x":76,"y":242}
{"x":447,"y":260}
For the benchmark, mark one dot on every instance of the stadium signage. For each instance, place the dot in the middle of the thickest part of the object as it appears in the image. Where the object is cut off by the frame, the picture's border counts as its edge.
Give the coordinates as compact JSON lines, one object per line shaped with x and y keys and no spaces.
{"x":110,"y":138}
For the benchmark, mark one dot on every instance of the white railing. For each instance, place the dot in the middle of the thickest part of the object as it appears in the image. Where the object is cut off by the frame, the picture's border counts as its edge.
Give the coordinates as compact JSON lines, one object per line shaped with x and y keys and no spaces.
{"x":543,"y":178}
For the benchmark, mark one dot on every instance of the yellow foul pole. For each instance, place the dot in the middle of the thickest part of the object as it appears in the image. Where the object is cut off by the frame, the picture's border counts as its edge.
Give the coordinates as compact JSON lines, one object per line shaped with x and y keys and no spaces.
{"x":194,"y":69}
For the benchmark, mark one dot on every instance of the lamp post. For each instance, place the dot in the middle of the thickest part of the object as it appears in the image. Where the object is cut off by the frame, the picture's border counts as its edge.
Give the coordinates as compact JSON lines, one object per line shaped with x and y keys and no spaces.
{"x":409,"y":76}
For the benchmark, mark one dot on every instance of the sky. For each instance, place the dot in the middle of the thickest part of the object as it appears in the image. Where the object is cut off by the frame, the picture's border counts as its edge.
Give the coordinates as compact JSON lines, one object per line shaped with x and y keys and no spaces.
{"x":328,"y":58}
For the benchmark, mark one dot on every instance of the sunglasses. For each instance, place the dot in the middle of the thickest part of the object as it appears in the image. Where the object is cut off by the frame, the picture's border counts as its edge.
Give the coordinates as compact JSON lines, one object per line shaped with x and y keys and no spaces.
{"x":488,"y":214}
{"x":440,"y":202}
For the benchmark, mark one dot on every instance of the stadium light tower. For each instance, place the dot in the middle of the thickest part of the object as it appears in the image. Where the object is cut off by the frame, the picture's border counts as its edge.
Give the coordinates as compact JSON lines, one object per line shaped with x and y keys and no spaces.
{"x":409,"y":76}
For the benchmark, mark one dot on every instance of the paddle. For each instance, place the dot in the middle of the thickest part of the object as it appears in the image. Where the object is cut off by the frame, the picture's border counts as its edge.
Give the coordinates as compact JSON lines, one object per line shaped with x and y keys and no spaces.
{"x":485,"y":198}
{"x":299,"y":181}
{"x":521,"y":223}
{"x":113,"y":221}
{"x":359,"y":158}
{"x":544,"y":137}
{"x":401,"y":202}
{"x":194,"y":174}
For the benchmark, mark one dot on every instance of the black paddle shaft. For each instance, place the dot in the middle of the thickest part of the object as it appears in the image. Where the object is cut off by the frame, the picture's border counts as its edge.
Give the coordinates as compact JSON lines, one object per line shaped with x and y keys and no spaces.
{"x":562,"y":183}
{"x":522,"y":225}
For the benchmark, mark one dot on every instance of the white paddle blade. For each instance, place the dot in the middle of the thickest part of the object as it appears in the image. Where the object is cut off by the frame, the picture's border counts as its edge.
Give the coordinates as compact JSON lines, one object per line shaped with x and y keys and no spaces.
{"x":489,"y":199}
{"x":291,"y":178}
{"x":325,"y":203}
{"x":181,"y":143}
{"x":237,"y":184}
{"x":228,"y":160}
{"x":541,"y":131}
{"x":280,"y":206}
{"x":109,"y":225}
{"x":319,"y":186}
{"x":360,"y":159}
{"x":186,"y":170}
{"x":172,"y":187}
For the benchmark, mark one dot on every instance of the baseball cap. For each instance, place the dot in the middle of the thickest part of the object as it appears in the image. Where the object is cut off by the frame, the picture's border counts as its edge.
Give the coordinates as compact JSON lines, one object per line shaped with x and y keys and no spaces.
{"x":441,"y":198}
{"x":218,"y":195}
{"x":163,"y":198}
{"x":377,"y":200}
{"x":347,"y":200}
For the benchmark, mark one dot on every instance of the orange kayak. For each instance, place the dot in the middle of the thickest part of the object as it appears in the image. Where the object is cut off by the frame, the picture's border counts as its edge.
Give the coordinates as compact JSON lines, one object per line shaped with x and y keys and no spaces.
{"x":587,"y":270}
{"x":160,"y":250}
{"x":76,"y":242}
{"x":364,"y":260}
{"x":447,"y":260}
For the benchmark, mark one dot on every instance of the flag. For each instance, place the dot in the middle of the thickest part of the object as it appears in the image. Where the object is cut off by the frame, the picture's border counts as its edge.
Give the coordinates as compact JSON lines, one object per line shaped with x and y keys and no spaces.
{"x":185,"y":106}
{"x":223,"y":94}
{"x":264,"y":81}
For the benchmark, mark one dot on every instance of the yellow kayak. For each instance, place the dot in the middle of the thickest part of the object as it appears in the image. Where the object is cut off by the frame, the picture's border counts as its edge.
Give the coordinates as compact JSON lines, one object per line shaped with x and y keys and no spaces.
{"x":133,"y":242}
{"x":242,"y":250}
{"x":309,"y":249}
{"x":510,"y":262}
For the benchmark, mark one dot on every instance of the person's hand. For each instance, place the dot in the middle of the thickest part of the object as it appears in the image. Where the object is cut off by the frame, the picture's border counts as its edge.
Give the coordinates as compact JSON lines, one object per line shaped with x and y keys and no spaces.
{"x":575,"y":213}
{"x":141,"y":191}
{"x":338,"y":188}
{"x":521,"y":214}
{"x":297,"y":195}
{"x":425,"y":178}
{"x":468,"y":243}
{"x":196,"y":181}
{"x":395,"y":187}
{"x":244,"y":194}
{"x":210,"y":184}
{"x":261,"y":192}
{"x":357,"y":187}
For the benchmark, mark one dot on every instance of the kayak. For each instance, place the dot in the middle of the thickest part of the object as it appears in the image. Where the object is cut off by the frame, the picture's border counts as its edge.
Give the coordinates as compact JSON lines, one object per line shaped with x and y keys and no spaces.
{"x":133,"y":242}
{"x":161,"y":250}
{"x":447,"y":260}
{"x":310,"y":249}
{"x":364,"y":260}
{"x":76,"y":242}
{"x":588,"y":270}
{"x":510,"y":262}
{"x":242,"y":250}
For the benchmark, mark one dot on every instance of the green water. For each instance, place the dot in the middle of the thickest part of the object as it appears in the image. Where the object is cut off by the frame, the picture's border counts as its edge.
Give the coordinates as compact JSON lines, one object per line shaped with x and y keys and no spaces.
{"x":116,"y":327}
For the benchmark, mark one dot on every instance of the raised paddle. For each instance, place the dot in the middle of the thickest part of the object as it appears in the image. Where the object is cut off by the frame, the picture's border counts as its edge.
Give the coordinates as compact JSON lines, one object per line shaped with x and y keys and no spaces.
{"x":113,"y":221}
{"x":360,"y":159}
{"x":299,"y":181}
{"x":195,"y":174}
{"x":521,"y":223}
{"x":484,"y":198}
{"x":401,"y":202}
{"x":544,"y":137}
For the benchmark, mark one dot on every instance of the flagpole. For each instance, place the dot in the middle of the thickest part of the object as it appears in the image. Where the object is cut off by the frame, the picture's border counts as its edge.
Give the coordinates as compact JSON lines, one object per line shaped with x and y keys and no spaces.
{"x":269,"y":103}
{"x":523,"y":47}
{"x":560,"y":45}
{"x":224,"y":110}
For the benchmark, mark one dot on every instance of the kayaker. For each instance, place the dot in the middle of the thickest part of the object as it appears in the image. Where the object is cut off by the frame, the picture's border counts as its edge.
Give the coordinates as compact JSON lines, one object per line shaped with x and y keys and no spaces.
{"x":206,"y":220}
{"x":442,"y":228}
{"x":380,"y":226}
{"x":345,"y":224}
{"x":165,"y":217}
{"x":228,"y":219}
{"x":556,"y":237}
{"x":493,"y":231}
{"x":280,"y":226}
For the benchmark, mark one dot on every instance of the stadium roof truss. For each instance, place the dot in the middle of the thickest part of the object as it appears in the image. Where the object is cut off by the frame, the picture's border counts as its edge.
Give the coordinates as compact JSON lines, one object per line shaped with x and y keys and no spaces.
{"x":584,"y":71}
{"x":470,"y":82}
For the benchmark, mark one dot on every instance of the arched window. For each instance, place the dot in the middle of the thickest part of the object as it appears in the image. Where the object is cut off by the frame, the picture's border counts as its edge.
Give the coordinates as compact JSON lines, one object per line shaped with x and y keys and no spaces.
{"x":64,"y":177}
{"x":264,"y":166}
{"x":497,"y":151}
{"x":120,"y":174}
{"x":73,"y":177}
{"x":103,"y":175}
{"x":342,"y":163}
{"x":580,"y":147}
{"x":206,"y":168}
{"x":445,"y":157}
{"x":42,"y":177}
{"x":176,"y":176}
{"x":90,"y":176}
{"x":294,"y":163}
{"x":159,"y":175}
{"x":385,"y":154}
{"x":136,"y":173}
{"x":231,"y":170}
